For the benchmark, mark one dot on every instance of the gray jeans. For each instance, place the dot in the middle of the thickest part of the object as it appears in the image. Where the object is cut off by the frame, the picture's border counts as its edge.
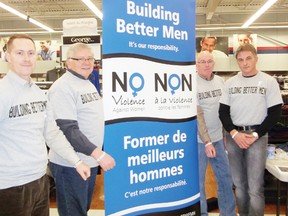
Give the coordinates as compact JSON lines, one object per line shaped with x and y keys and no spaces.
{"x":247,"y":169}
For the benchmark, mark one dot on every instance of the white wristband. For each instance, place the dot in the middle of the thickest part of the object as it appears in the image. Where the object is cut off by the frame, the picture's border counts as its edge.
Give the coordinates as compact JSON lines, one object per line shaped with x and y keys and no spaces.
{"x":233,"y":135}
{"x":78,"y":163}
{"x":207,"y":144}
{"x":101,"y":157}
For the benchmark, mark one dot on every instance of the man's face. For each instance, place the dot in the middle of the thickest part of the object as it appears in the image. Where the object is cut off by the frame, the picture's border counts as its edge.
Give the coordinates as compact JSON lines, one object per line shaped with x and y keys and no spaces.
{"x":243,"y":39}
{"x":22,"y":57}
{"x":247,"y":63}
{"x":205,"y":65}
{"x":83,"y":62}
{"x":44,"y":45}
{"x":208,"y":44}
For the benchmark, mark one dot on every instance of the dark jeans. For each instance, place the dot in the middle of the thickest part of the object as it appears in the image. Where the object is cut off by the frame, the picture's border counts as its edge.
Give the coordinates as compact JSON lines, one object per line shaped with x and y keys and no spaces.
{"x":31,"y":199}
{"x":73,"y":194}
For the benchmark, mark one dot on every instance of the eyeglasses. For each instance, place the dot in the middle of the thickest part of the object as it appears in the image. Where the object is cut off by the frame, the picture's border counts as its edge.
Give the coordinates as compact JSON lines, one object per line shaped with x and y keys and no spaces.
{"x":83,"y":60}
{"x":204,"y":62}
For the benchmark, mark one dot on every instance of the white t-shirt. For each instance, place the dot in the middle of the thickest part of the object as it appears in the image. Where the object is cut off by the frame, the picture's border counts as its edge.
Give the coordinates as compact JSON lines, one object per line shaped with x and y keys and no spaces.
{"x":74,"y":98}
{"x":208,"y":96}
{"x":250,"y":97}
{"x":26,"y":124}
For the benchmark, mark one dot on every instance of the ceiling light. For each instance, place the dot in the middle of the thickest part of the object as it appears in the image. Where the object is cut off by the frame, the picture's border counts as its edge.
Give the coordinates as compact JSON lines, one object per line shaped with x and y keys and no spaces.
{"x":30,"y":33}
{"x":25,"y":17}
{"x":265,"y":7}
{"x":35,"y":22}
{"x":93,"y":8}
{"x":11,"y":10}
{"x":214,"y":28}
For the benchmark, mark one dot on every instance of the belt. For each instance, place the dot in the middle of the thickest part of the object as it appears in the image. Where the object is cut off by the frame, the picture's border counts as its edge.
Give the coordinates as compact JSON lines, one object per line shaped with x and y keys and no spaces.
{"x":247,"y":128}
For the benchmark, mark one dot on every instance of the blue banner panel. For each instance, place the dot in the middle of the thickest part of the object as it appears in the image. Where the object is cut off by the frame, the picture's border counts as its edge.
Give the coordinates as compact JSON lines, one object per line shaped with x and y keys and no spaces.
{"x":156,"y":167}
{"x":150,"y":107}
{"x":159,"y":29}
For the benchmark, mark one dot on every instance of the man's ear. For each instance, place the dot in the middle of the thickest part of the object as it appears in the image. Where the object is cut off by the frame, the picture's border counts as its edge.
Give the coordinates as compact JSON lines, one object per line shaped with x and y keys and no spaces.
{"x":7,"y":56}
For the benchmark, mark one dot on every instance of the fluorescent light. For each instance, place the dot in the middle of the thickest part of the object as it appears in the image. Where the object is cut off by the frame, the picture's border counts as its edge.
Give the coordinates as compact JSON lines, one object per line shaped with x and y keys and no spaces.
{"x":265,"y":7}
{"x":12,"y":10}
{"x":93,"y":8}
{"x":212,"y":28}
{"x":30,"y":33}
{"x":35,"y":22}
{"x":25,"y":17}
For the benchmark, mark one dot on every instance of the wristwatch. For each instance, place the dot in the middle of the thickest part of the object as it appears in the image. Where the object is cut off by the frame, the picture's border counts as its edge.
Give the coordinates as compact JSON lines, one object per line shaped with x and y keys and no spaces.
{"x":255,"y":134}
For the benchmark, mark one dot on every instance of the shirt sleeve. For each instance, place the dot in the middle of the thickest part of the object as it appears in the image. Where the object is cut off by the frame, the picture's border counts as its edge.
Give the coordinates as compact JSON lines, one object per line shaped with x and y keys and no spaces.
{"x":273,"y":116}
{"x":77,"y":139}
{"x":225,"y":117}
{"x":56,"y":140}
{"x":65,"y":114}
{"x":202,"y":129}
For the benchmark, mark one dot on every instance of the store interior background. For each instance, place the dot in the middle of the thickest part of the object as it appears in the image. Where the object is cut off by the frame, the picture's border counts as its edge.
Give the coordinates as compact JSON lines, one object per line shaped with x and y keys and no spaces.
{"x":220,"y":18}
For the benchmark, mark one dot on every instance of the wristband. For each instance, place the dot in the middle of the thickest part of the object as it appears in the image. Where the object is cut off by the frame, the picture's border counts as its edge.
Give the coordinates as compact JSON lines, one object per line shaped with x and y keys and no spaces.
{"x":207,"y":144}
{"x":234,"y":134}
{"x":78,"y":163}
{"x":101,"y":157}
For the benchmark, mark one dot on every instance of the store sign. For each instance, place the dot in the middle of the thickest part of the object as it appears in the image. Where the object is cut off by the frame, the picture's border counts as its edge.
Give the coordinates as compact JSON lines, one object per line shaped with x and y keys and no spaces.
{"x":92,"y":39}
{"x":85,"y":26}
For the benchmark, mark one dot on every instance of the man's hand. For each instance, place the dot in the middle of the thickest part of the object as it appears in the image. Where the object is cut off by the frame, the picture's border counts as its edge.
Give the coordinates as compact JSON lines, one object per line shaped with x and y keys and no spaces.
{"x":103,"y":159}
{"x":210,"y":151}
{"x":107,"y":162}
{"x":243,"y":140}
{"x":84,"y":171}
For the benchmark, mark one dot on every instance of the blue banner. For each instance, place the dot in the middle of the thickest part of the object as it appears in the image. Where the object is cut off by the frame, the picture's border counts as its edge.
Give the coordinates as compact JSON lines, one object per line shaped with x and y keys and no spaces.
{"x":150,"y":107}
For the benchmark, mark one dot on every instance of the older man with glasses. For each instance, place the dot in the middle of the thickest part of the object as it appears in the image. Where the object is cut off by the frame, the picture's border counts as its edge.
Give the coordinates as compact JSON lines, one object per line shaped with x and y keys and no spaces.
{"x":210,"y":136}
{"x":78,"y":110}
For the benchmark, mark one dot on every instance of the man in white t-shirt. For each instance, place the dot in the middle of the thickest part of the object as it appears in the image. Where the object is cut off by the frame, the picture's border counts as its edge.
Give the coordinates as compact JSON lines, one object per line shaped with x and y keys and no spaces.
{"x":249,"y":107}
{"x":26,"y":126}
{"x":79,"y":112}
{"x":210,"y":136}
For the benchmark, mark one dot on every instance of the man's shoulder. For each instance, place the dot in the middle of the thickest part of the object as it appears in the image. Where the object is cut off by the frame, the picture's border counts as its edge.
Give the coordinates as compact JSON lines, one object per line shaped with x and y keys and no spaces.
{"x":219,"y":54}
{"x":233,"y":78}
{"x":216,"y":76}
{"x":263,"y":74}
{"x":51,"y":51}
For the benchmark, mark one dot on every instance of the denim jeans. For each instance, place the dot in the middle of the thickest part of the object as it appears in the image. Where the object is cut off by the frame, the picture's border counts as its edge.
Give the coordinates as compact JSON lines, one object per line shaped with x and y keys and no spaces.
{"x":31,"y":199}
{"x":221,"y":169}
{"x":247,"y":169}
{"x":73,"y":194}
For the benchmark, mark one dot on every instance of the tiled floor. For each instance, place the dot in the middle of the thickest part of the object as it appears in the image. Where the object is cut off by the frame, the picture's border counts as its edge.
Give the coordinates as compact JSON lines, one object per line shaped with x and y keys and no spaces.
{"x":53,"y":212}
{"x":98,"y":199}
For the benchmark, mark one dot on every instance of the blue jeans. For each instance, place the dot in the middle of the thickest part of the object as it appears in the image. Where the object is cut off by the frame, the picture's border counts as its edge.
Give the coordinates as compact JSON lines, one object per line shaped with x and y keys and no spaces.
{"x":247,"y":169}
{"x":221,"y":169}
{"x":73,"y":194}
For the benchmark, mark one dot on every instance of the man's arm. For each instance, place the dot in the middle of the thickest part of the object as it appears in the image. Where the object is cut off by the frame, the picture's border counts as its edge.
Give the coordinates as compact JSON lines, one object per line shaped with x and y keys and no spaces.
{"x":56,"y":140}
{"x":273,"y":116}
{"x":81,"y":143}
{"x":76,"y":138}
{"x":202,"y":129}
{"x":224,"y":115}
{"x":204,"y":135}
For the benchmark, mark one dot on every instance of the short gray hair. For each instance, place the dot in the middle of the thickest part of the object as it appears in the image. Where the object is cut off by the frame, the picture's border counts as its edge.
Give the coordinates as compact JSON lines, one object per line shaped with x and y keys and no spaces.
{"x":77,"y":46}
